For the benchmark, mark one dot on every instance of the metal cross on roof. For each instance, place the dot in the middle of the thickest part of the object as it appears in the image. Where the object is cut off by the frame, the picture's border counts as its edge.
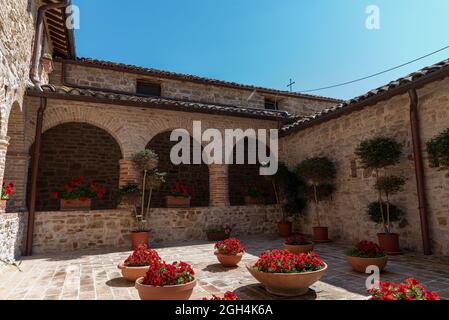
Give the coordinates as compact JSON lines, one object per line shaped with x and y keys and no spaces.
{"x":290,"y":85}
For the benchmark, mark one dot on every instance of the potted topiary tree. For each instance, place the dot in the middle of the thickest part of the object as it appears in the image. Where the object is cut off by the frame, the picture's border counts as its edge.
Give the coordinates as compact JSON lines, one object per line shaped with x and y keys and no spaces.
{"x":146,"y":161}
{"x":318,"y":172}
{"x":438,"y":150}
{"x":376,"y":154}
{"x":289,"y":190}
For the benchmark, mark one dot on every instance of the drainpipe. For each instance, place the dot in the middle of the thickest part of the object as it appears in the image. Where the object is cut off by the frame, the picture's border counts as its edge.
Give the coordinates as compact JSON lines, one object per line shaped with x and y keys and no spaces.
{"x":34,"y":171}
{"x":39,"y":40}
{"x":419,"y":171}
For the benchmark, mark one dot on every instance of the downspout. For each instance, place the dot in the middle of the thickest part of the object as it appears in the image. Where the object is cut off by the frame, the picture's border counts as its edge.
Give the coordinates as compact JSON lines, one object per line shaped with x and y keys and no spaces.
{"x":419,"y":171}
{"x":39,"y":40}
{"x":34,"y":76}
{"x":34,"y":171}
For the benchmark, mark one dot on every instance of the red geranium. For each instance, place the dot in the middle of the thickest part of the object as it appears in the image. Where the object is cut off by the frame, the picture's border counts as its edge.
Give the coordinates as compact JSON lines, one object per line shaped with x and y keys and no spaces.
{"x":296,"y":240}
{"x":78,"y":189}
{"x":411,"y":289}
{"x":142,"y":256}
{"x":283,"y":261}
{"x":366,"y":249}
{"x":7,"y":190}
{"x":180,"y":190}
{"x":230,"y":247}
{"x":163,"y":274}
{"x":229,"y":296}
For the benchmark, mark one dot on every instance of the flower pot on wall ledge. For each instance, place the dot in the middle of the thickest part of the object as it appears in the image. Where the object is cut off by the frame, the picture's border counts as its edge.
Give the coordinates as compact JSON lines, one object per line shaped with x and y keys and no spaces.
{"x":75,"y":204}
{"x":389,"y":242}
{"x":320,"y":234}
{"x":138,"y":238}
{"x":252,"y":201}
{"x":177,"y":202}
{"x":285,"y":229}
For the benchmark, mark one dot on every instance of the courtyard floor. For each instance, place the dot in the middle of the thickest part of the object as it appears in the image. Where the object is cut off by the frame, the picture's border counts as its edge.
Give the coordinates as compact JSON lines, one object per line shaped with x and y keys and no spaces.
{"x":89,"y":275}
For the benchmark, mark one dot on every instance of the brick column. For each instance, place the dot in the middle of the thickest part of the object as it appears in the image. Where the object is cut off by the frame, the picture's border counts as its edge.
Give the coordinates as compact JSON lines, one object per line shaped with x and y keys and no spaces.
{"x":4,"y":142}
{"x":16,"y":172}
{"x":218,"y":185}
{"x":128,"y":173}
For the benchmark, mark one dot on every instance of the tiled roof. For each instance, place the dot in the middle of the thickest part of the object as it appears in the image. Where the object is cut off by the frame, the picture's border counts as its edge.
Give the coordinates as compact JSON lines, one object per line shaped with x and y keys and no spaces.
{"x":404,"y":82}
{"x":64,"y":92}
{"x":188,"y":77}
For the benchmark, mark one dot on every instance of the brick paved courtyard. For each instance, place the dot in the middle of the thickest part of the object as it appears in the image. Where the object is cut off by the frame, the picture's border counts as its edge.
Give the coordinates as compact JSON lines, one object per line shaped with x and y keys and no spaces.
{"x":90,"y":275}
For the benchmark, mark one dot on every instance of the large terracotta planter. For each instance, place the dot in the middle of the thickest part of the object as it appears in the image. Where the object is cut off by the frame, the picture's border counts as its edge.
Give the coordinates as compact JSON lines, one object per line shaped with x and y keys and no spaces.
{"x":285,"y":229}
{"x":177,"y":202}
{"x":178,"y":292}
{"x":389,"y":242}
{"x":303,"y":248}
{"x":229,"y":260}
{"x":360,"y":264}
{"x":287,"y":284}
{"x":138,"y":238}
{"x":217,"y":236}
{"x":132,"y":273}
{"x":73,"y":205}
{"x":320,"y":234}
{"x":251,"y":201}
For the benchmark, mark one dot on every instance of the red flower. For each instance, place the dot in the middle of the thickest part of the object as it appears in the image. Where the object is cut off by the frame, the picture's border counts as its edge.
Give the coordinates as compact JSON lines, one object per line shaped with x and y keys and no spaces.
{"x":229,"y":296}
{"x":142,"y":256}
{"x":368,"y":249}
{"x":161,"y":274}
{"x":411,"y":289}
{"x":230,"y":247}
{"x":55,"y":195}
{"x":283,"y":261}
{"x":296,"y":240}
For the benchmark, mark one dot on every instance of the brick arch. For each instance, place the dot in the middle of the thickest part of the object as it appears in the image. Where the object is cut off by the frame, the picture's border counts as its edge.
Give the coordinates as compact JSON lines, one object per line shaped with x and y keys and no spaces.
{"x":244,"y":175}
{"x":55,"y":116}
{"x":74,"y":149}
{"x":192,"y":175}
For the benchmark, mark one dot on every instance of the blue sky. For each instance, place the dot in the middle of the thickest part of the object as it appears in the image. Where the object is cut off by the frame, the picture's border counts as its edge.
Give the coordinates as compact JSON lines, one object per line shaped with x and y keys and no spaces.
{"x":267,"y":42}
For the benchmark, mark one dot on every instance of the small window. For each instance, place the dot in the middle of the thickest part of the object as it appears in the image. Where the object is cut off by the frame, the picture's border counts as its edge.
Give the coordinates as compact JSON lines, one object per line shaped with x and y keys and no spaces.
{"x":148,"y":88}
{"x":271,"y":104}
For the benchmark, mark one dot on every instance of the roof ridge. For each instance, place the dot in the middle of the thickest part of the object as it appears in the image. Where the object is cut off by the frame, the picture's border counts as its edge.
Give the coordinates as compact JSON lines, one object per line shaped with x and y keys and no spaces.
{"x":395,"y":84}
{"x":190,"y":77}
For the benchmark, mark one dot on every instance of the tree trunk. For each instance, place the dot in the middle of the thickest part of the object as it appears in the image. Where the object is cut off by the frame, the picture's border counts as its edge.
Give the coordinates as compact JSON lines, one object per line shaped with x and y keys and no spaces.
{"x":388,"y":216}
{"x":149,"y":202}
{"x":143,"y":193}
{"x":316,"y":205}
{"x":379,"y":199}
{"x":284,"y":218}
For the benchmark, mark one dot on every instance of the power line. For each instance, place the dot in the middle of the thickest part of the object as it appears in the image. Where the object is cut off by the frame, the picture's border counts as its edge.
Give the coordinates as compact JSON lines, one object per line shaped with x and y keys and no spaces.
{"x":376,"y":74}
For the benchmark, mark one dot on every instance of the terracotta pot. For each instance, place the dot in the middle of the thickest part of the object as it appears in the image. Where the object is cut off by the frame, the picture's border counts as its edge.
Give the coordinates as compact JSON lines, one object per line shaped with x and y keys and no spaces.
{"x":138,"y":238}
{"x":217,"y":236}
{"x":389,"y":242}
{"x":133,"y":273}
{"x":178,"y":292}
{"x":285,"y":229}
{"x":304,"y":248}
{"x":287,"y":284}
{"x":77,"y":204}
{"x":360,"y":264}
{"x":177,"y":202}
{"x":229,"y":260}
{"x":320,"y":234}
{"x":251,"y":201}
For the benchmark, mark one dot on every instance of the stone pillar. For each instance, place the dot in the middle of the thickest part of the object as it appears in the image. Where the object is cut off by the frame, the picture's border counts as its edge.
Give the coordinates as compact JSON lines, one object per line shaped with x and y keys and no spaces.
{"x":218,"y":185}
{"x":16,"y":172}
{"x":4,"y":142}
{"x":128,"y":173}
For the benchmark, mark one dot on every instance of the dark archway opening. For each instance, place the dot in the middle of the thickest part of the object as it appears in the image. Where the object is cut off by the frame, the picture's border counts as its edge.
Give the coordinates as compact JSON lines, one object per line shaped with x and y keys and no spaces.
{"x":243,"y":176}
{"x":71,"y":150}
{"x":192,"y":175}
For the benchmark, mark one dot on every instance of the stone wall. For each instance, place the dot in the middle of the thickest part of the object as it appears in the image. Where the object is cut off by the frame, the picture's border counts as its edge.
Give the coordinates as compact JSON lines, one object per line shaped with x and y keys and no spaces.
{"x":12,"y":228}
{"x":79,"y":75}
{"x":337,"y":139}
{"x":110,"y":229}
